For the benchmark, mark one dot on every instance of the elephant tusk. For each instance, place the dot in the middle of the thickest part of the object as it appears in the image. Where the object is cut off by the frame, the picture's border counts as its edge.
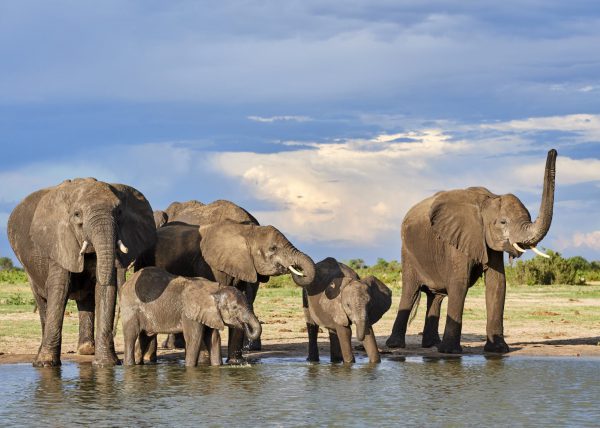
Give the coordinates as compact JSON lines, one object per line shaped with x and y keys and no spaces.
{"x":122,"y":247}
{"x":294,"y":271}
{"x":518,"y":248}
{"x":539,"y":253}
{"x":83,"y":247}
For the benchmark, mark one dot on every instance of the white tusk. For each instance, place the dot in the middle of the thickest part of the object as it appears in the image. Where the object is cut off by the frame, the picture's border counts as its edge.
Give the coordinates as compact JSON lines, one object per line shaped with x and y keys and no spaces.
{"x":291,"y":268}
{"x":83,"y":247}
{"x":122,"y":247}
{"x":518,"y":248}
{"x":539,"y":253}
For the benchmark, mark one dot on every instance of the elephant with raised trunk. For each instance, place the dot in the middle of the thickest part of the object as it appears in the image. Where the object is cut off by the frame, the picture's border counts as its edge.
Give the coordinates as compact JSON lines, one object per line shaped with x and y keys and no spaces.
{"x":70,"y":239}
{"x":337,"y":298}
{"x":449,"y":240}
{"x":230,"y":253}
{"x":155,"y":301}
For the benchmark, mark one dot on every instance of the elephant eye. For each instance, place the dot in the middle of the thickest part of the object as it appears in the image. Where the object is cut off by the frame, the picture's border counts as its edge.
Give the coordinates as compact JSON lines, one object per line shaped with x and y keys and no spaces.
{"x":273,"y":248}
{"x":502,"y":221}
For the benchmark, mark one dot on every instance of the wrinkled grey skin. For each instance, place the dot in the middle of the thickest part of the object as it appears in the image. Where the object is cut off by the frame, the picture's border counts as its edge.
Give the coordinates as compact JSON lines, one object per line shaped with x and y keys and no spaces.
{"x":230,"y":253}
{"x":47,"y":230}
{"x":155,"y":301}
{"x":449,"y":240}
{"x":337,"y":298}
{"x":196,"y":213}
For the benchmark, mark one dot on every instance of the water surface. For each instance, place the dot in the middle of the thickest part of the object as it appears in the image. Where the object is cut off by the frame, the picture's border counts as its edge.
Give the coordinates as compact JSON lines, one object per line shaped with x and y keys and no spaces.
{"x":471,"y":390}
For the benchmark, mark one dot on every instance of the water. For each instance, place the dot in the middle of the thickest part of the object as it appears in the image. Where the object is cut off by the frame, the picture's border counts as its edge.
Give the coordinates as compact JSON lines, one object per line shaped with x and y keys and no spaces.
{"x":473,"y":390}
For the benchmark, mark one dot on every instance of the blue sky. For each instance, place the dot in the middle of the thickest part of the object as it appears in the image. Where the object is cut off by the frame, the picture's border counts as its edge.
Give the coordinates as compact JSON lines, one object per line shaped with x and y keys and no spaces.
{"x":325,"y":119}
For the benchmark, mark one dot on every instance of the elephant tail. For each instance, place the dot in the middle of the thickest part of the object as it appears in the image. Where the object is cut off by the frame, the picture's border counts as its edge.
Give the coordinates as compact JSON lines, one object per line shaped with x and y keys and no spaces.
{"x":415,"y":307}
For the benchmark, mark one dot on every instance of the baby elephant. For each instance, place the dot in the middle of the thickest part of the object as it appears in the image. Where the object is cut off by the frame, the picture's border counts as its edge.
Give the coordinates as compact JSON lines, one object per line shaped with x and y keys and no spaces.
{"x":154,"y":301}
{"x":338,"y":298}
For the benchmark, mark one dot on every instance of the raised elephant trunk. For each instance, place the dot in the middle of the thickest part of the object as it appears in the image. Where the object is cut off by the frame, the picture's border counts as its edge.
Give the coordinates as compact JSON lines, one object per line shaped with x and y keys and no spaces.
{"x":302,"y":268}
{"x":103,"y":236}
{"x":252,"y":328}
{"x":534,"y":232}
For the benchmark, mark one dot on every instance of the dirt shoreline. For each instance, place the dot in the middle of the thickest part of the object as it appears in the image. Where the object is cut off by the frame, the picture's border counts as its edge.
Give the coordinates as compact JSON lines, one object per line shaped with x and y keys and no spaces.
{"x":273,"y":349}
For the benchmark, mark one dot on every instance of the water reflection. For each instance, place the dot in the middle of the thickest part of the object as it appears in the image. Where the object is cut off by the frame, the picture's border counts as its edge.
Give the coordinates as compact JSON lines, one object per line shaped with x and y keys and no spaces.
{"x":415,"y":390}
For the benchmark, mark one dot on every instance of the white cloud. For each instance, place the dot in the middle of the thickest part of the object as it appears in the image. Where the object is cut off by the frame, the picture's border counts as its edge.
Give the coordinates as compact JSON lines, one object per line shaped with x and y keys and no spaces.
{"x":586,"y":125}
{"x":590,"y":240}
{"x":279,"y":119}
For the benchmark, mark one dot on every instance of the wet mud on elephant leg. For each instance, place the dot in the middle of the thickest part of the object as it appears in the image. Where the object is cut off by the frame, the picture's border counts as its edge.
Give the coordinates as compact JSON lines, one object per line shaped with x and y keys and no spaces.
{"x":410,"y":295}
{"x":86,"y":309}
{"x":431,"y":336}
{"x":450,"y":343}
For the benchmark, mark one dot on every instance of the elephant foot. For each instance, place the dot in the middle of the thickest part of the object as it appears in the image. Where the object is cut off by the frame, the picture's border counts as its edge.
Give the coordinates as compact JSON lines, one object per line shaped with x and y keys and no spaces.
{"x":236,"y":361}
{"x":86,"y":348}
{"x":498,"y":345}
{"x":46,"y":359}
{"x":204,"y":357}
{"x":449,"y":348}
{"x":254,"y":345}
{"x":430,"y":341}
{"x":106,"y":360}
{"x":395,"y":342}
{"x":312,"y":359}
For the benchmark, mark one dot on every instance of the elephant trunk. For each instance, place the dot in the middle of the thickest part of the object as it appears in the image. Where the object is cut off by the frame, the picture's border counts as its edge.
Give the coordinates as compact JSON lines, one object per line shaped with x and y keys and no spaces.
{"x":360,"y":320}
{"x":303,"y":264}
{"x":535,"y":232}
{"x":252,"y":327}
{"x":103,"y":236}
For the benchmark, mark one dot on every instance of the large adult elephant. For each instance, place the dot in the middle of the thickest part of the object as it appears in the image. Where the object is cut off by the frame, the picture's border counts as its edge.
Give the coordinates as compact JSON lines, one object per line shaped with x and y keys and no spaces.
{"x":197,"y":213}
{"x":449,"y":240}
{"x":70,"y":239}
{"x":229,"y":252}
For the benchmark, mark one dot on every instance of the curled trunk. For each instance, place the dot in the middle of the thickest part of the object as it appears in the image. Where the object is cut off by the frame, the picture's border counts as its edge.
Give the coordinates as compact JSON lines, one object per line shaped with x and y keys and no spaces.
{"x":252,"y":328}
{"x":304,"y":264}
{"x":535,"y":232}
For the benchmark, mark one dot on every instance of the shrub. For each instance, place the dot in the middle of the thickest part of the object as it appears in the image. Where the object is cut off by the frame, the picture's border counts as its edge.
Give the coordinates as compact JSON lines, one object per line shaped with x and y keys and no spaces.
{"x":543,"y":271}
{"x":13,"y":276}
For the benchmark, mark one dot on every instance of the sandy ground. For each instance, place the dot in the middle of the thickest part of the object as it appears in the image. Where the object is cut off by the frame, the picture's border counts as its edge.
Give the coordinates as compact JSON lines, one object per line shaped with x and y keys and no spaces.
{"x":553,"y":331}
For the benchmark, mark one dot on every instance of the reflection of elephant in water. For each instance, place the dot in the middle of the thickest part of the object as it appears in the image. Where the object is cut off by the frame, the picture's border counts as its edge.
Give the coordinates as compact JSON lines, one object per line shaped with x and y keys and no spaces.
{"x":67,"y":237}
{"x":197,"y":213}
{"x":336,"y":298}
{"x":229,"y":253}
{"x":154,"y":301}
{"x":449,"y":240}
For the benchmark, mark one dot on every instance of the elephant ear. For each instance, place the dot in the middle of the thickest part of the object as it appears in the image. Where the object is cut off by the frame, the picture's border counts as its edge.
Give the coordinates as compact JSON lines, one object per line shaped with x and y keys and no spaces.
{"x":51,"y":230}
{"x":160,"y":218}
{"x":200,"y":304}
{"x":456,"y":218}
{"x":331,"y":301}
{"x":381,"y":298}
{"x":225,"y":248}
{"x":136,"y":223}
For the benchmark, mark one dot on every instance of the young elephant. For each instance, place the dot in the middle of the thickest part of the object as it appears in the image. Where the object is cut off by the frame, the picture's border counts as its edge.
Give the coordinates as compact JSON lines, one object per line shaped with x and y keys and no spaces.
{"x":338,"y":298}
{"x":155,"y":301}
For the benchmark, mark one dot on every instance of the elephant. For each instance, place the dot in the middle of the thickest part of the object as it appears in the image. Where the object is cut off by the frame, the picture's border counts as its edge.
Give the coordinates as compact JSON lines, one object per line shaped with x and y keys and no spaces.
{"x":233,"y":254}
{"x":337,"y":298}
{"x":449,"y":240}
{"x":196,"y":213}
{"x":155,"y":301}
{"x":70,"y":238}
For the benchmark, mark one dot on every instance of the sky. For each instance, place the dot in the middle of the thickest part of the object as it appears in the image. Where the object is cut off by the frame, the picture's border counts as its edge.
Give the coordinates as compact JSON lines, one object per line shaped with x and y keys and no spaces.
{"x":326,"y":119}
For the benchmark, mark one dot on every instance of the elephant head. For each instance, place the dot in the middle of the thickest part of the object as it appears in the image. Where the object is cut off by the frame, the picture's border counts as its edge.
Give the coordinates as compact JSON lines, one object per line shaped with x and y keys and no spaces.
{"x":84,"y":216}
{"x":474,"y":219}
{"x":160,"y":218}
{"x":360,"y":301}
{"x":245,"y":251}
{"x":195,"y":212}
{"x":217,"y":307}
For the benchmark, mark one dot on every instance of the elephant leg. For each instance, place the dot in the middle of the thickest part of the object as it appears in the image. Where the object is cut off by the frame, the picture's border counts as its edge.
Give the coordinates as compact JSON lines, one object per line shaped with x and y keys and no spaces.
{"x":121,"y":278}
{"x":212,"y":339}
{"x":169,"y":342}
{"x":205,"y":352}
{"x":313,"y":348}
{"x":57,"y":286}
{"x":450,"y":343}
{"x":106,"y":298}
{"x":86,"y":308}
{"x":495,"y":294}
{"x":251,"y":291}
{"x":193,"y":332}
{"x":370,"y":344}
{"x":148,"y":346}
{"x":41,"y":307}
{"x":335,"y":351}
{"x":345,"y":337}
{"x":410,"y":295}
{"x":234,"y":346}
{"x":131,"y":332}
{"x":431,"y":336}
{"x":178,"y":341}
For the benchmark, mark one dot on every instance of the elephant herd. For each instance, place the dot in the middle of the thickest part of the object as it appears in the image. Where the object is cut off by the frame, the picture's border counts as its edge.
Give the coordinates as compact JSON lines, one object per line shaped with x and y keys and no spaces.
{"x":197,"y":268}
